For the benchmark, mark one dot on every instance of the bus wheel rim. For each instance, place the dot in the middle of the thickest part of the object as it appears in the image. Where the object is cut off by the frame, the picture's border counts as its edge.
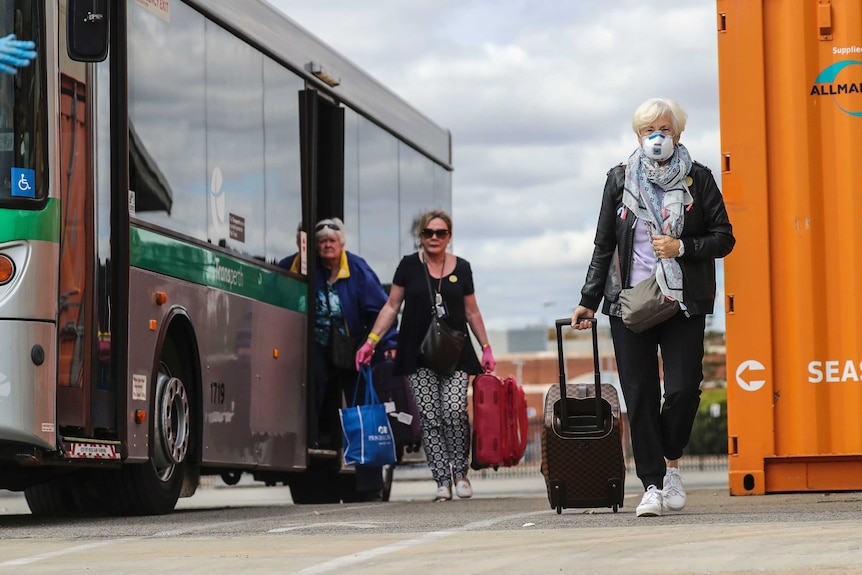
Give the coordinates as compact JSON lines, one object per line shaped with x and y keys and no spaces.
{"x":172,"y":424}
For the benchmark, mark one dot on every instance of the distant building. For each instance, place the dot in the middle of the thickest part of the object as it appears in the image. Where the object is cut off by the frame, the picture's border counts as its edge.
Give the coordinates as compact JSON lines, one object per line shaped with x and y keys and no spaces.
{"x":523,"y":340}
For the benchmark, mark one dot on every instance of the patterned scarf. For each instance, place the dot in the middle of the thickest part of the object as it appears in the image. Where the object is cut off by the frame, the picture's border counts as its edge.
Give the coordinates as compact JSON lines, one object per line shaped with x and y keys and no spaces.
{"x":661,"y":217}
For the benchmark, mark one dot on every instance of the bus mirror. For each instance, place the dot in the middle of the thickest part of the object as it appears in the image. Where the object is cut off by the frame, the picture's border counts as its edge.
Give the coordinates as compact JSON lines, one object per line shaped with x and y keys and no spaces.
{"x":87,"y":30}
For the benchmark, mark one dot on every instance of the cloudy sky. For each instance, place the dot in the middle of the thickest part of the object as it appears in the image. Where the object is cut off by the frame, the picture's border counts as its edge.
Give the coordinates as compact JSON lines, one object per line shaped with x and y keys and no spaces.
{"x":539,"y":97}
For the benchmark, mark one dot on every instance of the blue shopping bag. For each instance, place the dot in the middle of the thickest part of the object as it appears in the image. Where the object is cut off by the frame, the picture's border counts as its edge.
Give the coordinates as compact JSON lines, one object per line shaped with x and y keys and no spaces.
{"x":368,"y":438}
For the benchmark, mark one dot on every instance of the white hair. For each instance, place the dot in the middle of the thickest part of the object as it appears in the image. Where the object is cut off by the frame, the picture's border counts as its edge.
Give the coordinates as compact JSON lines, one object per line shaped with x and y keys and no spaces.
{"x":324,"y":228}
{"x":649,"y":111}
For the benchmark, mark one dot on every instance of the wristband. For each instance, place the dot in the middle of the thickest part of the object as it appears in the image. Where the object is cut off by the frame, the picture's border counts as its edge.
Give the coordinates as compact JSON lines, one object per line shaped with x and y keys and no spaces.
{"x":486,"y":345}
{"x":374,"y":337}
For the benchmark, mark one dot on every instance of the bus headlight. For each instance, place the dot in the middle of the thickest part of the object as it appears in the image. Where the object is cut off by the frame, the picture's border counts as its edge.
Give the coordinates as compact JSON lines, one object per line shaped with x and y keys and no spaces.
{"x":7,"y":269}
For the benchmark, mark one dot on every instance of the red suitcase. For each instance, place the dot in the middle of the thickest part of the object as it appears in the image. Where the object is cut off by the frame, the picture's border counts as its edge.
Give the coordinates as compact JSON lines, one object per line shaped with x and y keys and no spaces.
{"x":499,"y":422}
{"x":582,"y":450}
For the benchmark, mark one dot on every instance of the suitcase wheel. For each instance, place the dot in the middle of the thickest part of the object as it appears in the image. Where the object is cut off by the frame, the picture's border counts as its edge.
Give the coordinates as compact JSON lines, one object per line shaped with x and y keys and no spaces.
{"x":616,"y":507}
{"x":559,"y":510}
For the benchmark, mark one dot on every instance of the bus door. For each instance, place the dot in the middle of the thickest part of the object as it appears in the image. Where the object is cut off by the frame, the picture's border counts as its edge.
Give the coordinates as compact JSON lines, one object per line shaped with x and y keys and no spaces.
{"x":85,"y":402}
{"x":329,"y":161}
{"x":74,"y":334}
{"x":322,"y":135}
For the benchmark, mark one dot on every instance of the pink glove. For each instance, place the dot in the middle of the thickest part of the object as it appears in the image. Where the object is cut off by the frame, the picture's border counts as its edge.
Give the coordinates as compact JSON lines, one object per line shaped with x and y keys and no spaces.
{"x":488,"y":362}
{"x":363,"y":355}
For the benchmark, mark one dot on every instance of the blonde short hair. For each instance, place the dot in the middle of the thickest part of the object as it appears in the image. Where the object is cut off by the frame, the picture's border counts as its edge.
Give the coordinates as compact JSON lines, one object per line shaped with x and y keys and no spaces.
{"x":330,"y":227}
{"x":647,"y":113}
{"x":431,"y":215}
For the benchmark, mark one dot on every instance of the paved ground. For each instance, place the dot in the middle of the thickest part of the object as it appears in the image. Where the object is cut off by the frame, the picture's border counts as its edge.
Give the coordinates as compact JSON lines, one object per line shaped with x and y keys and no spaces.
{"x":508,"y":527}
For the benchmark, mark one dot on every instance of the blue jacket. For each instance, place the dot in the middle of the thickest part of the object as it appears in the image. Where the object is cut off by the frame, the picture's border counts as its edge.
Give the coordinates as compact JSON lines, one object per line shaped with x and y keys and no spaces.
{"x":362,"y":297}
{"x":361,"y":294}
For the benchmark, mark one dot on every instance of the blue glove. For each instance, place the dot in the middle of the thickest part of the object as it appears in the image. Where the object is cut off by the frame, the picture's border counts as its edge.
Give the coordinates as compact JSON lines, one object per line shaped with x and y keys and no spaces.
{"x":15,"y":53}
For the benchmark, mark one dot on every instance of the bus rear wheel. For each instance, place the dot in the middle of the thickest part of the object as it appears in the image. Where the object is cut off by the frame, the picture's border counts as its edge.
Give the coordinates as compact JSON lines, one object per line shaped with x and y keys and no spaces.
{"x":315,"y":486}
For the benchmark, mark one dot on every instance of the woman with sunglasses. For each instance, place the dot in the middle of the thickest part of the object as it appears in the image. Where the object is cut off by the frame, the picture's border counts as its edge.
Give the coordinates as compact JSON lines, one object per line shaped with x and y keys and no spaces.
{"x":349,"y":298}
{"x":441,"y":398}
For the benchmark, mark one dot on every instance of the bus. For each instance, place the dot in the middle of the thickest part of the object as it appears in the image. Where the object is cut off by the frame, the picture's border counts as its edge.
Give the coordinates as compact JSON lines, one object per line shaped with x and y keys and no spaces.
{"x":158,"y":159}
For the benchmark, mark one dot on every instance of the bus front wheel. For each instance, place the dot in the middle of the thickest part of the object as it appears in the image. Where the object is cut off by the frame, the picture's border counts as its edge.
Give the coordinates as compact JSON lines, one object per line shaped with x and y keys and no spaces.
{"x":153,"y":487}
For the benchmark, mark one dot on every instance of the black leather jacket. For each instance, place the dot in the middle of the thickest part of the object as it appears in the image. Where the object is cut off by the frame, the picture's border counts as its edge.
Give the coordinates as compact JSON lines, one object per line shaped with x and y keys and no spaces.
{"x":706,"y":235}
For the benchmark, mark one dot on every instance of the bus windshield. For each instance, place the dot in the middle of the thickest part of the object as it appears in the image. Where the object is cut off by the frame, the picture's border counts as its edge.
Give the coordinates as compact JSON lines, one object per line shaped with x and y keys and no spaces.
{"x":22,"y":124}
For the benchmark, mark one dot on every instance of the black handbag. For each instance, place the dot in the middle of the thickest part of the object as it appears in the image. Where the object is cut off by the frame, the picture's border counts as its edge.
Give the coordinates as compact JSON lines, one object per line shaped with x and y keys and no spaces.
{"x":342,"y":348}
{"x":644,"y":306}
{"x":441,"y":347}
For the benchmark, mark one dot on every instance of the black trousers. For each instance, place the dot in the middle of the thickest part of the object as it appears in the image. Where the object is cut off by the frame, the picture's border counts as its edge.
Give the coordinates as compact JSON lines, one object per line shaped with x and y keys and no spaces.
{"x":324,"y":422}
{"x":659,"y":429}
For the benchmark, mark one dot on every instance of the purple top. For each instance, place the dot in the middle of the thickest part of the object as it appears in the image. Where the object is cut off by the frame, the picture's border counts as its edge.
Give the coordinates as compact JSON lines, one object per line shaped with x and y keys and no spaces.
{"x":643,"y":256}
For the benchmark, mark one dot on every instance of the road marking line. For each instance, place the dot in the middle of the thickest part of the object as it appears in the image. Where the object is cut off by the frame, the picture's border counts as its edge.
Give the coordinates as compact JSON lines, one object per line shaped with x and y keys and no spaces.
{"x":88,"y":546}
{"x":363,"y":525}
{"x":76,"y":549}
{"x":349,"y":560}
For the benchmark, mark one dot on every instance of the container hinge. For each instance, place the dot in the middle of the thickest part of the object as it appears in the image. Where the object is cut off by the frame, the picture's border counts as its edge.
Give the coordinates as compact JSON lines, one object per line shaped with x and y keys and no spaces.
{"x":824,"y":19}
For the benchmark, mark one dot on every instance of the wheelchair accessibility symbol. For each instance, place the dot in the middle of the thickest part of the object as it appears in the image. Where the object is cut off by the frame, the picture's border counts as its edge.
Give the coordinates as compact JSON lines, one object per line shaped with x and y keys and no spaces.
{"x":22,"y":183}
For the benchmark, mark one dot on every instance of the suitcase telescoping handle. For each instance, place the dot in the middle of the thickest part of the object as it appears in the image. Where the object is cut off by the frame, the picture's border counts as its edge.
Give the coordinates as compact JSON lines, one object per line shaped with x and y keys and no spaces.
{"x":598,"y":378}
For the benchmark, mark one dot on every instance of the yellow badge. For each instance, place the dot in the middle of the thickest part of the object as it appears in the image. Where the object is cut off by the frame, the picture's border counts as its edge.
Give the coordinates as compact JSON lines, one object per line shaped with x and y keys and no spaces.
{"x":688,"y":181}
{"x":453,"y":278}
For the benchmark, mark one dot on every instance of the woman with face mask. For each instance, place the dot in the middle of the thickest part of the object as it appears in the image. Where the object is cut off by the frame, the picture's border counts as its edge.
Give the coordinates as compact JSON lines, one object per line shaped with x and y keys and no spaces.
{"x":662,"y":219}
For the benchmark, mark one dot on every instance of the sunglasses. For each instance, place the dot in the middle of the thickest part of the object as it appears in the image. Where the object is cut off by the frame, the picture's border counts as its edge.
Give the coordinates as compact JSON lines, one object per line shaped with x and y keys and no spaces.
{"x":428,"y":233}
{"x":330,"y":226}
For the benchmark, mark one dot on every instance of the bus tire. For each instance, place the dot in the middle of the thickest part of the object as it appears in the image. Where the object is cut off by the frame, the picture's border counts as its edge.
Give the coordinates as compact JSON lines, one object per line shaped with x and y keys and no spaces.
{"x":146,"y":490}
{"x":153,"y":487}
{"x":55,"y":497}
{"x":315,"y":487}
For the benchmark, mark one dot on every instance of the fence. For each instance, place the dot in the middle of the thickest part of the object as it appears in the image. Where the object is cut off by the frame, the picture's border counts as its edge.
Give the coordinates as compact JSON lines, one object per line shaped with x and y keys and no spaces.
{"x":532,"y":461}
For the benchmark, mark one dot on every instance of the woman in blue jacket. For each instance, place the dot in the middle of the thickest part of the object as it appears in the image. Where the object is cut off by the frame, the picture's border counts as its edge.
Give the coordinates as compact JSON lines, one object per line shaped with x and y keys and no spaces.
{"x":349,"y":296}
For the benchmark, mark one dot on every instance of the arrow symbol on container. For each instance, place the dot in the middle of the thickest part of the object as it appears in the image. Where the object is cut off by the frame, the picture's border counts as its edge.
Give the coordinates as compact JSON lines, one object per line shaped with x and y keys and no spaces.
{"x":750,"y":365}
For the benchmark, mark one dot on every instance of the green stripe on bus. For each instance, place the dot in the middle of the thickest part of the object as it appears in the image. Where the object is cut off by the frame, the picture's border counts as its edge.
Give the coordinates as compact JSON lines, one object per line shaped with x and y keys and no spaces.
{"x":161,"y":254}
{"x":39,"y":225}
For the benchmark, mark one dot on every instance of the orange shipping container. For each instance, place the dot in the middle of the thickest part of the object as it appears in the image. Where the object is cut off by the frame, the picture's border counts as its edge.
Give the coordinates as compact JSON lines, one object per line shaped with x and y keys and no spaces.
{"x":790,"y":77}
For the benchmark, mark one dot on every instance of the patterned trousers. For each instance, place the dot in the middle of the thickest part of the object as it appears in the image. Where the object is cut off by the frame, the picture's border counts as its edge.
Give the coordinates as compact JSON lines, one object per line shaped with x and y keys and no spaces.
{"x":442,"y":403}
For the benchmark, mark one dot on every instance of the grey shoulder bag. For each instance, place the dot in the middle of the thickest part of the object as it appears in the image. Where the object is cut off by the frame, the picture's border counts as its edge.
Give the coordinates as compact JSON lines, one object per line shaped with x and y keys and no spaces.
{"x":644,"y":305}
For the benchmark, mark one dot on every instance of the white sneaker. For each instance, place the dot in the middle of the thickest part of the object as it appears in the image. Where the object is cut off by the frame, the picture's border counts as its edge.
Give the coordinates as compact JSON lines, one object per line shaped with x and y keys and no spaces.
{"x":444,"y":493}
{"x":672,"y":490}
{"x":650,"y":505}
{"x":463,"y":489}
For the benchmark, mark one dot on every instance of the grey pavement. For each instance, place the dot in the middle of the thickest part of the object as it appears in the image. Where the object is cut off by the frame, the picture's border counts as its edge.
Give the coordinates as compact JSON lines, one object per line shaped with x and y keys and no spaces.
{"x":786,"y":534}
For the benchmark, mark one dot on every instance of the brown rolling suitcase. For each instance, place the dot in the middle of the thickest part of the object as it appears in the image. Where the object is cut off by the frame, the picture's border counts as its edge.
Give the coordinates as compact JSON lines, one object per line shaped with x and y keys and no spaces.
{"x":582,"y":450}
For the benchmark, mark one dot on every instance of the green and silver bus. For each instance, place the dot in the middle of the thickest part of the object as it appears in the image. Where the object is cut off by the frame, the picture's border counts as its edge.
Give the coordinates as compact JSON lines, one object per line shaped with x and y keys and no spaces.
{"x":157,"y":159}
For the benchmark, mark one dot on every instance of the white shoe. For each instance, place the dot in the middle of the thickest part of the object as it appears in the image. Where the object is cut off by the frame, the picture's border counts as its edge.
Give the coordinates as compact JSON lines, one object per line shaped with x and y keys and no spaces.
{"x":672,"y":490}
{"x":463,"y":489}
{"x":444,"y":493}
{"x":650,"y":505}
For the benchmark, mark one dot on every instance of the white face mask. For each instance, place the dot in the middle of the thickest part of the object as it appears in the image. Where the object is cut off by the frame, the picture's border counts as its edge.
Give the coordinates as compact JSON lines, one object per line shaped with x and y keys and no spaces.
{"x":657,"y":146}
